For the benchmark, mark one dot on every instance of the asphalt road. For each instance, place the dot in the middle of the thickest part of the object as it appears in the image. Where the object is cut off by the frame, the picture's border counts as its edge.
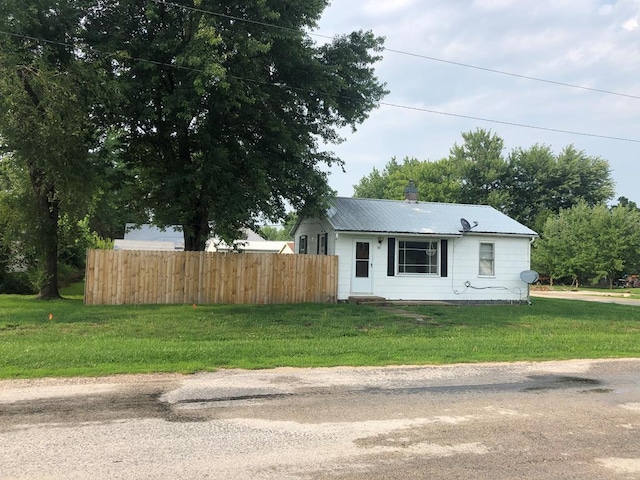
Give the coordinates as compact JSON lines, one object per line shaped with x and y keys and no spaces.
{"x":557,"y":420}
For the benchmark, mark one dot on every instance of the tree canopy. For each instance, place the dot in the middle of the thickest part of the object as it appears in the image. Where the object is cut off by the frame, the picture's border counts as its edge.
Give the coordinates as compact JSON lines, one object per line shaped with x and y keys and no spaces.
{"x":528,"y":184}
{"x":225,"y":104}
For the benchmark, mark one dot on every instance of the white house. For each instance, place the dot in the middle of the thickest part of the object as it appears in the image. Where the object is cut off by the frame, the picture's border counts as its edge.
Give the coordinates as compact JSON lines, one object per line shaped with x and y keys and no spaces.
{"x":171,"y":238}
{"x":253,"y":246}
{"x":409,"y":250}
{"x":150,"y":237}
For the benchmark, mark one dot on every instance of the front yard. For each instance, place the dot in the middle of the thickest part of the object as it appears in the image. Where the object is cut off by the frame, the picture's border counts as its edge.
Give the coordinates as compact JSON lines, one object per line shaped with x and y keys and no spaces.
{"x":65,"y":338}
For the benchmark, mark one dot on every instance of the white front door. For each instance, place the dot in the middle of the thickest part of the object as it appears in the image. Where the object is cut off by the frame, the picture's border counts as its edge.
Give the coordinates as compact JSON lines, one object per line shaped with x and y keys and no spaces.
{"x":361,"y":268}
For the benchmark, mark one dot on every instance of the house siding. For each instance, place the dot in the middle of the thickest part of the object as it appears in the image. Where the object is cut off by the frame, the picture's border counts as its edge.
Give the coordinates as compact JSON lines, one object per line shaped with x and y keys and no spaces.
{"x":312,"y":228}
{"x":346,"y":264}
{"x":462,"y":282}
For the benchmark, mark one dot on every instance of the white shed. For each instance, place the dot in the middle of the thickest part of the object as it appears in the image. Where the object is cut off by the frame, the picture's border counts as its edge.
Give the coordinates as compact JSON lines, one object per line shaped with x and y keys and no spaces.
{"x":420,"y":251}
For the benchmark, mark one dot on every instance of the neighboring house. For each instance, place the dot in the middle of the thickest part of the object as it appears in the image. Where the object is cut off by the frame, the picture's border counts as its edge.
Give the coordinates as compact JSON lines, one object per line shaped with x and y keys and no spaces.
{"x":171,"y":238}
{"x":153,"y":245}
{"x":252,"y":242}
{"x":288,"y":248}
{"x":254,"y":246}
{"x":150,"y":237}
{"x":409,"y":250}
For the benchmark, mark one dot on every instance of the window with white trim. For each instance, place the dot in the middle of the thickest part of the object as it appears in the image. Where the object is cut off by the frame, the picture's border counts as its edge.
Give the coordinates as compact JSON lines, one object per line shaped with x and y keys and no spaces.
{"x":487,"y":260}
{"x":417,"y":257}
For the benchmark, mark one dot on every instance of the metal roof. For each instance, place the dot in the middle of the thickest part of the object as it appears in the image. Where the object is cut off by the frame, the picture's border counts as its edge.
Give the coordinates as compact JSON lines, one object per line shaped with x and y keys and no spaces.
{"x":394,"y":216}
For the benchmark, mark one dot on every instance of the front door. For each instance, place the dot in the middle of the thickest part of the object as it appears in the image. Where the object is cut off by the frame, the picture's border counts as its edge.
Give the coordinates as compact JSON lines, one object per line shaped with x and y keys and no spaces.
{"x":361,"y":270}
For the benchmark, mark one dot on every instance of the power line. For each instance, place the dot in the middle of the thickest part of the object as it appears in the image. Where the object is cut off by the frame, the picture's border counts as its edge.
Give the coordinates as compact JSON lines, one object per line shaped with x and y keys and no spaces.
{"x":513,"y":124}
{"x":388,"y":104}
{"x":517,"y":75}
{"x":409,"y":54}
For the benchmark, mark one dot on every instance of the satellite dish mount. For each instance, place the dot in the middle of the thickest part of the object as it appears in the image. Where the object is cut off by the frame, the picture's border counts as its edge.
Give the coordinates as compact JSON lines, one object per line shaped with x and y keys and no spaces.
{"x":466,"y":226}
{"x":529,"y":277}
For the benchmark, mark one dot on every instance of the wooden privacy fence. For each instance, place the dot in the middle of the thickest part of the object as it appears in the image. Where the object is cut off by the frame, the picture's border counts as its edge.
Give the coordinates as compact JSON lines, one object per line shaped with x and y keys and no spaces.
{"x":115,"y":277}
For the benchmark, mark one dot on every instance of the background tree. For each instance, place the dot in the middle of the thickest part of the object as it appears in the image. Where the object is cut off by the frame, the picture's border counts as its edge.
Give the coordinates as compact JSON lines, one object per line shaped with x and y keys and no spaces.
{"x":625,"y":202}
{"x":481,"y":168}
{"x":12,"y":216}
{"x":589,"y":244}
{"x":474,"y":172}
{"x":551,"y":251}
{"x":224,"y":117}
{"x":540,"y":184}
{"x":378,"y":184}
{"x":45,"y":116}
{"x":579,"y":177}
{"x":527,"y":184}
{"x":282,"y":232}
{"x":436,"y":181}
{"x":530,"y":185}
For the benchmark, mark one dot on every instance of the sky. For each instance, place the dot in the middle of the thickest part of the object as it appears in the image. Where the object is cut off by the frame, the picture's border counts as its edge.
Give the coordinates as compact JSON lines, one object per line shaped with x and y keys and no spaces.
{"x":588,"y":43}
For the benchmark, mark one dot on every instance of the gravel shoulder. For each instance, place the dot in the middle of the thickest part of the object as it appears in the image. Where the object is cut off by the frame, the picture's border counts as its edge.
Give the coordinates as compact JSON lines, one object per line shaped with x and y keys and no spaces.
{"x":587,"y":296}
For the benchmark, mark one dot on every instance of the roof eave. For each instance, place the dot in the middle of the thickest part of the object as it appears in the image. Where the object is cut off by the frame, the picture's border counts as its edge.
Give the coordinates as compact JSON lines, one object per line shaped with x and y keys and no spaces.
{"x":437,"y":234}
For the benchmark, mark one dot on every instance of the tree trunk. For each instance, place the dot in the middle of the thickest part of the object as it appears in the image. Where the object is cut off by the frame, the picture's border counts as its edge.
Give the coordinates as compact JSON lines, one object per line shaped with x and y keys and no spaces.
{"x":48,"y":215}
{"x":49,"y":286}
{"x":196,"y":231}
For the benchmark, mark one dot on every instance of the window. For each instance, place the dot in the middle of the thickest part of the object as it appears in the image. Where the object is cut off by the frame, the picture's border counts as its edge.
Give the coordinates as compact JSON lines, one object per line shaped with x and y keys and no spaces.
{"x":417,"y":257}
{"x":362,"y":259}
{"x":322,"y":244}
{"x":302,"y":244}
{"x":487,"y":259}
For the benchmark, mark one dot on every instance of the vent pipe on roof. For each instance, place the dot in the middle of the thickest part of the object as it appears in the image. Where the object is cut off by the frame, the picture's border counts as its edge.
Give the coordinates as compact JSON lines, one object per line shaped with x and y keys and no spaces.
{"x":411,"y":193}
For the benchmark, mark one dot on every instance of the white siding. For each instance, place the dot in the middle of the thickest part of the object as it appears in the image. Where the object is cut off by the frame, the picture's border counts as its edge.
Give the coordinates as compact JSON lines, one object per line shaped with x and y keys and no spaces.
{"x":344,"y":251}
{"x":312,"y":228}
{"x":462,"y":283}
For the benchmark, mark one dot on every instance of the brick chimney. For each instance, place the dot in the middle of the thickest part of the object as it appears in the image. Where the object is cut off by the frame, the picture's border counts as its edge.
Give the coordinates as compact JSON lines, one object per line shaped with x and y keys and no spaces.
{"x":411,"y":193}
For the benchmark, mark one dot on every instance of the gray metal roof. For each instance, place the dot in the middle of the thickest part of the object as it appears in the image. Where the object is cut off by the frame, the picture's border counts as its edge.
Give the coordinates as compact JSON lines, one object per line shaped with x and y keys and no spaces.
{"x":394,"y":216}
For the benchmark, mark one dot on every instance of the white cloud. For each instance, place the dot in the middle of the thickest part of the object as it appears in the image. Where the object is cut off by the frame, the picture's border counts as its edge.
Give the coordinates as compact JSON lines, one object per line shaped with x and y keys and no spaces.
{"x":384,"y":7}
{"x":605,"y":9}
{"x":494,"y":4}
{"x":631,"y":24}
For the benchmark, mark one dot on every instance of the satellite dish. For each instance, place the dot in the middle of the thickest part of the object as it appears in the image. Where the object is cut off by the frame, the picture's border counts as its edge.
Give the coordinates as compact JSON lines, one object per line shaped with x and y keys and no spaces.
{"x":529,"y":276}
{"x":466,"y":226}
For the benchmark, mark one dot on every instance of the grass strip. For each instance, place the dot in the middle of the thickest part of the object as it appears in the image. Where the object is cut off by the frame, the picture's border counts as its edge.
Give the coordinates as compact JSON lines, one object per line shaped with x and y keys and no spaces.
{"x":65,"y":338}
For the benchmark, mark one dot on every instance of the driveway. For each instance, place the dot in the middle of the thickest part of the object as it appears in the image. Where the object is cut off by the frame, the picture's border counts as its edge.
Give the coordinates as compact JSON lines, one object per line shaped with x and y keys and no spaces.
{"x":588,"y":296}
{"x":555,"y":420}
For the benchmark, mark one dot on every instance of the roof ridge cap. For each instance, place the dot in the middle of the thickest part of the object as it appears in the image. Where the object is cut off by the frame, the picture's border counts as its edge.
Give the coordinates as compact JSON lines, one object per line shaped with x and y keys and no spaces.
{"x":419,"y":202}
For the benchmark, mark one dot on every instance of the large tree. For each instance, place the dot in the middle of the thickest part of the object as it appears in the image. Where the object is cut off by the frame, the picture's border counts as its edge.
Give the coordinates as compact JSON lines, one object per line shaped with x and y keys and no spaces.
{"x":530,"y":185}
{"x":227,"y":105}
{"x":481,"y":168}
{"x":116,"y":198}
{"x":47,"y":92}
{"x":540,"y":183}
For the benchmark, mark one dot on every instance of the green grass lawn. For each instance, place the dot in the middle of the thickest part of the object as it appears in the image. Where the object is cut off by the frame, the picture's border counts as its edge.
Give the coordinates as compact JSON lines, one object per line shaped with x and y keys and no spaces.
{"x":100,"y":340}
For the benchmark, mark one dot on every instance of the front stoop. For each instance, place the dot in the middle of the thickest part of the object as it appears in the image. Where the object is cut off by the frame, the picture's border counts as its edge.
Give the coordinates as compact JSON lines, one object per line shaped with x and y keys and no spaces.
{"x":376,"y":301}
{"x":367,"y":300}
